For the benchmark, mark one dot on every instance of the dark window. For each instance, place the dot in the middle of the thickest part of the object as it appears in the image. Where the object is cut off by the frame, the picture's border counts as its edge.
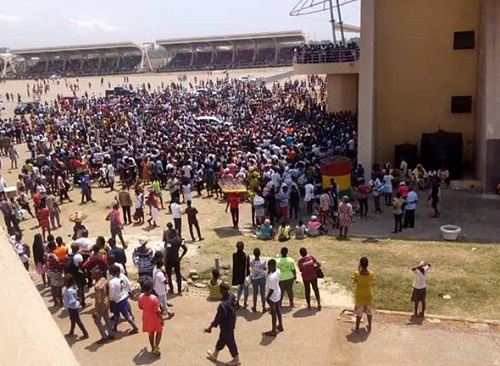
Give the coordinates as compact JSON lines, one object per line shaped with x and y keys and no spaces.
{"x":464,"y":40}
{"x":461,"y":104}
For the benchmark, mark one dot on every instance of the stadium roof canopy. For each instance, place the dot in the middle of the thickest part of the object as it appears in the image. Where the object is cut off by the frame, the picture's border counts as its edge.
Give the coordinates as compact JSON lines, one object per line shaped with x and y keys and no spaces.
{"x":232,"y":40}
{"x":76,"y":50}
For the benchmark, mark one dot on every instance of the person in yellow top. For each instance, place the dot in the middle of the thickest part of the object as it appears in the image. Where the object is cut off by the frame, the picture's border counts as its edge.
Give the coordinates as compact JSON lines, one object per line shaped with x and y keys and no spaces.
{"x":286,"y":265}
{"x":363,"y":278}
{"x":214,"y":286}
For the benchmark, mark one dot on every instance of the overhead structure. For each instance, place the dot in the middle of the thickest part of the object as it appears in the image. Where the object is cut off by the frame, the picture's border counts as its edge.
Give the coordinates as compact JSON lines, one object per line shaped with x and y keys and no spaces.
{"x":305,"y":7}
{"x":232,"y":51}
{"x":7,"y":64}
{"x":83,"y":60}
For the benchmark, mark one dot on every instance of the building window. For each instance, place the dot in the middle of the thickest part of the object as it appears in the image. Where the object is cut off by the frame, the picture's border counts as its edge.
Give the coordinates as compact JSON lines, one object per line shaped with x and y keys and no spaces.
{"x":461,"y":104}
{"x":464,"y":40}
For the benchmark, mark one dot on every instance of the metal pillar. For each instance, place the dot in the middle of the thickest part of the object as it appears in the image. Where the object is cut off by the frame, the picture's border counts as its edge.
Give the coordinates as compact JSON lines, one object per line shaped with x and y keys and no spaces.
{"x":332,"y":20}
{"x":341,"y":24}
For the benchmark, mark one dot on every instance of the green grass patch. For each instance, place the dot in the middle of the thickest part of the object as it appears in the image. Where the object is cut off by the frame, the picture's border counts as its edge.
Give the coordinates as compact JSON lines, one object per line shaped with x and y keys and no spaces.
{"x":468,"y":275}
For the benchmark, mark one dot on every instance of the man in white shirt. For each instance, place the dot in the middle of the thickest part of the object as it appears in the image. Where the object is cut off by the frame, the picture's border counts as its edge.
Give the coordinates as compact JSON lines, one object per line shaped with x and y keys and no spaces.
{"x":176,"y":209}
{"x":119,"y":289}
{"x":159,"y":283}
{"x":273,"y":298}
{"x":420,"y":286}
{"x":111,"y":176}
{"x":22,"y":251}
{"x":309,"y":196}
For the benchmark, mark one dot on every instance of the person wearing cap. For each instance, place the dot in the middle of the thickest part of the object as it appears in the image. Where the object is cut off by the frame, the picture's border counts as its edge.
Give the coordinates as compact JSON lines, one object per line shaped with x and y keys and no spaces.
{"x":420,"y":286}
{"x":225,"y":319}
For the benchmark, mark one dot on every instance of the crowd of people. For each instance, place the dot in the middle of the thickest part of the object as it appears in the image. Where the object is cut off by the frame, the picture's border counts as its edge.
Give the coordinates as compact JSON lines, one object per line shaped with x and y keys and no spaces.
{"x":271,"y":139}
{"x":314,"y":53}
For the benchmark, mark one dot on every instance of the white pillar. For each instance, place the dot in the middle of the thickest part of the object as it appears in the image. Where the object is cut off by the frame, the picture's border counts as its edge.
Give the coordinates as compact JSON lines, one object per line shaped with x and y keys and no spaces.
{"x":487,"y":159}
{"x":366,"y":114}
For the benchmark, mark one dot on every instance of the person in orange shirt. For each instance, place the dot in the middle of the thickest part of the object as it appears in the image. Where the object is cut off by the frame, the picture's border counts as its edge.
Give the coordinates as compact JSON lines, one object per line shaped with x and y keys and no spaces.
{"x":61,"y":250}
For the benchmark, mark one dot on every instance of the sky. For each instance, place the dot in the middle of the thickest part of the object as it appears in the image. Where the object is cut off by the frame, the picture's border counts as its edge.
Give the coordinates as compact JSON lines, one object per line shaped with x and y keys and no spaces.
{"x":37,"y":23}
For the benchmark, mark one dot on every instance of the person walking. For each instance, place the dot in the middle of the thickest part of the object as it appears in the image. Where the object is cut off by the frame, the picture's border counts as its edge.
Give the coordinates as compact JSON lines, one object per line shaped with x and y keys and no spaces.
{"x":176,"y":209}
{"x":420,"y":286}
{"x":152,"y":320}
{"x":115,"y":224}
{"x":233,"y":203}
{"x":39,"y":257}
{"x":288,"y":275}
{"x":43,"y":216}
{"x":172,"y":246}
{"x":397,"y":209}
{"x":72,"y":304}
{"x":273,"y":298}
{"x":410,"y":208}
{"x":241,"y":269}
{"x":102,"y":306}
{"x":258,"y":268}
{"x":119,"y":289}
{"x":225,"y":319}
{"x":139,"y":207}
{"x":13,"y":156}
{"x":378,"y":190}
{"x":191,"y":213}
{"x":54,"y":210}
{"x":363,"y":278}
{"x":125,"y":201}
{"x":308,"y":265}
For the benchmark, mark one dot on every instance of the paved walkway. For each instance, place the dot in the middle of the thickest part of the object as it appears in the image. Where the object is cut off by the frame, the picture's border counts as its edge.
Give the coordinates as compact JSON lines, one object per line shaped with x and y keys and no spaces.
{"x":310,"y":337}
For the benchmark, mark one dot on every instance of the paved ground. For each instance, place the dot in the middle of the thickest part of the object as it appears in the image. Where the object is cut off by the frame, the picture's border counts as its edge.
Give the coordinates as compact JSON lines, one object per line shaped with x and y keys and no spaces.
{"x":477,"y":214}
{"x":309,"y":337}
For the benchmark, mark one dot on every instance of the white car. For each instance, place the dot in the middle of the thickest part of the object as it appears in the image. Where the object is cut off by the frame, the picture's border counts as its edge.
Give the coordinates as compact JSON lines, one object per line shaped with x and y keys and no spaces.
{"x":211,"y":120}
{"x":249,"y":78}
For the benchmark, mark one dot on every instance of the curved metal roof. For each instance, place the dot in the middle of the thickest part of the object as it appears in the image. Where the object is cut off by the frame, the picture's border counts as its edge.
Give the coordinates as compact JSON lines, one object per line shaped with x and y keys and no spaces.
{"x":93,"y":48}
{"x":232,"y":40}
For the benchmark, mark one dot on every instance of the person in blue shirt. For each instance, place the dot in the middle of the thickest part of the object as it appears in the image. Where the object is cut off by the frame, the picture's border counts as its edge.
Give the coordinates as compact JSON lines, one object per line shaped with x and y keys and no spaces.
{"x":225,"y":319}
{"x":85,"y":187}
{"x":411,"y":206}
{"x":72,"y":304}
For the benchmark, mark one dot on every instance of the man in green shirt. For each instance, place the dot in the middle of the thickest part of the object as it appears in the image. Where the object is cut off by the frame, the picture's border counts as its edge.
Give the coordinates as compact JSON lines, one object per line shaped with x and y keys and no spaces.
{"x":286,"y":265}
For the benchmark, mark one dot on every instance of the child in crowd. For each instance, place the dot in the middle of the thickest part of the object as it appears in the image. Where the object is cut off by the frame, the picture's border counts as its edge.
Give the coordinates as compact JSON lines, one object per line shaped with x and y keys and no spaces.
{"x":213,"y":286}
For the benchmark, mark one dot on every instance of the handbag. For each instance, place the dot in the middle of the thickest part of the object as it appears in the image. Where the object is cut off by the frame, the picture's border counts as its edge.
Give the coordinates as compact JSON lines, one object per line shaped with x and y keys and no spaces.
{"x":248,"y":280}
{"x":319,"y":273}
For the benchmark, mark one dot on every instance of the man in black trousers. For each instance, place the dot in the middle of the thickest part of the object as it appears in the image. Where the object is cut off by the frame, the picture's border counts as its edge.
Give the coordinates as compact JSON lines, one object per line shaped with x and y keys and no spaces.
{"x":225,"y":319}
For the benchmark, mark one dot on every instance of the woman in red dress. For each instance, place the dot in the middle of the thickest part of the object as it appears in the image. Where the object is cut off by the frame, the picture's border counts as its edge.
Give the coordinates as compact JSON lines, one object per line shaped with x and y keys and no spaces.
{"x":152,"y":321}
{"x":42,"y":214}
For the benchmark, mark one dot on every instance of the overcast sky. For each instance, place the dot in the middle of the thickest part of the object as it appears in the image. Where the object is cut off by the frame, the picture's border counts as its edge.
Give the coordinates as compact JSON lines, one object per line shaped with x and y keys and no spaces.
{"x":37,"y":23}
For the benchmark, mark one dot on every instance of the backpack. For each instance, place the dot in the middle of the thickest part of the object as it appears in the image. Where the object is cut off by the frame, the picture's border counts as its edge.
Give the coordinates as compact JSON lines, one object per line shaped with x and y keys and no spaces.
{"x":69,"y":265}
